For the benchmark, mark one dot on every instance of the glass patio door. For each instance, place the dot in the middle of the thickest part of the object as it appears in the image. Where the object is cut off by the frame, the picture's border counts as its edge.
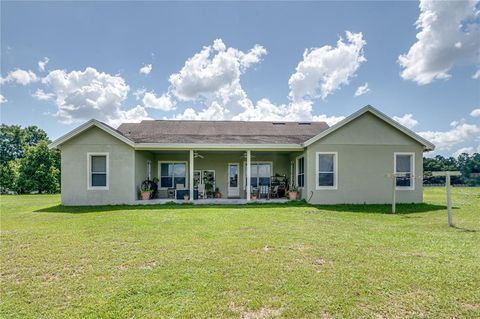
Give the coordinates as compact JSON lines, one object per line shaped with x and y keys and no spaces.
{"x":233,"y":182}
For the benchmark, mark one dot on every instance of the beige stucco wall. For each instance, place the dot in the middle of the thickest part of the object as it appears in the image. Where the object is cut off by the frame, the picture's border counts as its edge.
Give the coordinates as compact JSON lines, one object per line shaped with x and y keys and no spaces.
{"x":366,"y":148}
{"x":74,"y":169}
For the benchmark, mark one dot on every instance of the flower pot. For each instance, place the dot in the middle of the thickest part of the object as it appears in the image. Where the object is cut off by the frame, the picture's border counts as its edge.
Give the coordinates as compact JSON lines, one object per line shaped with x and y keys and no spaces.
{"x":292,"y":195}
{"x":218,"y":195}
{"x":254,"y":197}
{"x":186,"y":197}
{"x":145,"y":195}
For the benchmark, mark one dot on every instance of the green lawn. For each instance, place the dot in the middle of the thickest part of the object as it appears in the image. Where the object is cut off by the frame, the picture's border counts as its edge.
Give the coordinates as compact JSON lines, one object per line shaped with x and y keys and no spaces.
{"x":255,"y":261}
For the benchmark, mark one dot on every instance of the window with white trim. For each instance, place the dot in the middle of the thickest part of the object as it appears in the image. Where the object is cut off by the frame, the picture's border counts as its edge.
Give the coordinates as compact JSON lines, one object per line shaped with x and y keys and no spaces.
{"x":173,"y":174}
{"x":404,"y":164}
{"x":326,"y":164}
{"x":98,"y":170}
{"x":301,"y":172}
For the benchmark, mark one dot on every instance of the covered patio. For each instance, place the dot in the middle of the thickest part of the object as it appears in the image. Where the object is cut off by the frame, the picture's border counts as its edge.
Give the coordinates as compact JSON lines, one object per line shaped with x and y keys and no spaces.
{"x":207,"y":176}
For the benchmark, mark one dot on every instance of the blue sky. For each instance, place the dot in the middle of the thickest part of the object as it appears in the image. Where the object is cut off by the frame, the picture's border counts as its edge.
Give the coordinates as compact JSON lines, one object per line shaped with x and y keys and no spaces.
{"x":247,"y":61}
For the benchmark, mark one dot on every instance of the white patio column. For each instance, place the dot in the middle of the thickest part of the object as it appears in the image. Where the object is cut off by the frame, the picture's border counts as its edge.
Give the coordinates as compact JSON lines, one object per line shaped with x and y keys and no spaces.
{"x":249,"y":174}
{"x":190,"y":176}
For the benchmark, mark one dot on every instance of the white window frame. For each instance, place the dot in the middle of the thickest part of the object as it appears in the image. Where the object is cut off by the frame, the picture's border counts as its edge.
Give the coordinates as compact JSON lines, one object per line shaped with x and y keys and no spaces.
{"x":172,"y":162}
{"x":251,"y":164}
{"x":335,"y":171}
{"x":89,"y":171}
{"x":297,"y":171}
{"x":412,"y":171}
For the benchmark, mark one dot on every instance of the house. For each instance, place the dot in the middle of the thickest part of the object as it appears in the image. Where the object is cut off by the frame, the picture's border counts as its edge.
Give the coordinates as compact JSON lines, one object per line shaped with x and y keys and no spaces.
{"x":349,"y":162}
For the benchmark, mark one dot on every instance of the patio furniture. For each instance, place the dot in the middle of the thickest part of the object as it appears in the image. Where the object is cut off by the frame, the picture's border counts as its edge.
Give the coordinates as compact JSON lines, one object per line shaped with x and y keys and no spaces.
{"x":201,"y":191}
{"x":274,"y":192}
{"x":263,"y":191}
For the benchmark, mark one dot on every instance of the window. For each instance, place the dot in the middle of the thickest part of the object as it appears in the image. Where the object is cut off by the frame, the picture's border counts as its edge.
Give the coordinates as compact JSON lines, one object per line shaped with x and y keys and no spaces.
{"x":97,"y":170}
{"x":260,"y":174}
{"x":172,"y":174}
{"x":301,"y":172}
{"x":404,"y":163}
{"x":326,"y":170}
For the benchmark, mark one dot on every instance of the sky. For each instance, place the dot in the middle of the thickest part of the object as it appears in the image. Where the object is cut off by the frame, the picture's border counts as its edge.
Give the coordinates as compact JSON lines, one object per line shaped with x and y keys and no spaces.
{"x":63,"y":63}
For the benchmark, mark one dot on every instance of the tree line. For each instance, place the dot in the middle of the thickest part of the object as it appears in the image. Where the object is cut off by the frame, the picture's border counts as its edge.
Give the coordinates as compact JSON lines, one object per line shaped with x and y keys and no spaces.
{"x":27,"y":165}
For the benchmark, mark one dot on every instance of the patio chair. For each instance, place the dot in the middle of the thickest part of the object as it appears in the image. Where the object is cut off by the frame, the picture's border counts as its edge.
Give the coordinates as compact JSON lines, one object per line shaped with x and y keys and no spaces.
{"x":274,"y":192}
{"x":201,"y":191}
{"x":263,"y":192}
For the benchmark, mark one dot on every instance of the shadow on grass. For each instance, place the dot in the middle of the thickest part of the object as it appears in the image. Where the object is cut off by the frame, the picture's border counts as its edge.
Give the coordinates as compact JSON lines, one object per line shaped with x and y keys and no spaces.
{"x":360,"y":208}
{"x":466,"y":230}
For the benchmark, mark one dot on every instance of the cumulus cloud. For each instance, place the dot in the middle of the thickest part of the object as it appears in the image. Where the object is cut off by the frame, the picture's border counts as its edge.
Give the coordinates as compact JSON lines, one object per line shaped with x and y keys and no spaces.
{"x":42,"y":64}
{"x":212,"y":78}
{"x":2,"y":99}
{"x":213,"y":69}
{"x":476,"y":75}
{"x":475,"y":113}
{"x":362,"y":89}
{"x":449,"y":35}
{"x":42,"y":96}
{"x":146,"y":69}
{"x":324,"y":70}
{"x":406,"y":120}
{"x":460,"y":132}
{"x":82,"y":95}
{"x":469,"y":150}
{"x":163,"y":102}
{"x":20,"y":77}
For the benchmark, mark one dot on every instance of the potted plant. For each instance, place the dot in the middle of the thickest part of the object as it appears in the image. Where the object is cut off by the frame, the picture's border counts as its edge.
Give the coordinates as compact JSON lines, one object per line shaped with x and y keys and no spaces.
{"x":145,"y":190}
{"x":186,"y":197}
{"x":253,"y":195}
{"x":293,"y":192}
{"x":209,"y":189}
{"x":217,"y":193}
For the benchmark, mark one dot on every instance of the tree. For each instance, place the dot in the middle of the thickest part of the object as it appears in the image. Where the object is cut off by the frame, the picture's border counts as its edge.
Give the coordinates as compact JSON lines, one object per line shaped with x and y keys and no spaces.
{"x":10,"y":143}
{"x":9,"y":176}
{"x":38,"y":171}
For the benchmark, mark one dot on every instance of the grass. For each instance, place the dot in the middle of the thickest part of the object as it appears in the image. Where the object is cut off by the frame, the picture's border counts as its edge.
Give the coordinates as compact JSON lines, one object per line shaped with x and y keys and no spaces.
{"x":254,"y":261}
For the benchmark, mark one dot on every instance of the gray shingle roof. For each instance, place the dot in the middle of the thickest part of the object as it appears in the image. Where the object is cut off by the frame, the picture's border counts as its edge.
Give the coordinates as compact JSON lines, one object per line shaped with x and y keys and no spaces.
{"x":221,"y":132}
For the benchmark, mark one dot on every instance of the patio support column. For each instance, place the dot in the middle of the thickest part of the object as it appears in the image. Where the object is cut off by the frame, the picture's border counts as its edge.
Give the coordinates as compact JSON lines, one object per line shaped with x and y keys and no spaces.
{"x":190,"y":175}
{"x":248,"y":174}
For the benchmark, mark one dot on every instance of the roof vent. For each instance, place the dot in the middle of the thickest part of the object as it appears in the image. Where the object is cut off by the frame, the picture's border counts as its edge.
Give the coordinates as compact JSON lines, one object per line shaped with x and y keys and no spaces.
{"x":304,"y":123}
{"x":278,"y":123}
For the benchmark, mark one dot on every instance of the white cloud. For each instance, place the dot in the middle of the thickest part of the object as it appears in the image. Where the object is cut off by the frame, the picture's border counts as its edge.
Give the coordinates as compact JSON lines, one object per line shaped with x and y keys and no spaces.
{"x":449,"y":35}
{"x":213,"y":112}
{"x":139,"y":93}
{"x":459,"y":133}
{"x":476,"y":75}
{"x":3,"y":99}
{"x":362,"y":89}
{"x":42,"y":96}
{"x":20,"y":77}
{"x":42,"y":64}
{"x":215,"y":68}
{"x":146,"y":69}
{"x":163,"y":102}
{"x":469,"y":150}
{"x":82,"y":95}
{"x":406,"y":120}
{"x":475,"y":113}
{"x":324,"y":70}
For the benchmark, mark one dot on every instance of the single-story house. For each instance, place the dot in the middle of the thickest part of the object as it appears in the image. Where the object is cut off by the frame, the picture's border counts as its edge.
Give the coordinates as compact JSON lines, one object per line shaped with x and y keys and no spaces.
{"x":349,"y":162}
